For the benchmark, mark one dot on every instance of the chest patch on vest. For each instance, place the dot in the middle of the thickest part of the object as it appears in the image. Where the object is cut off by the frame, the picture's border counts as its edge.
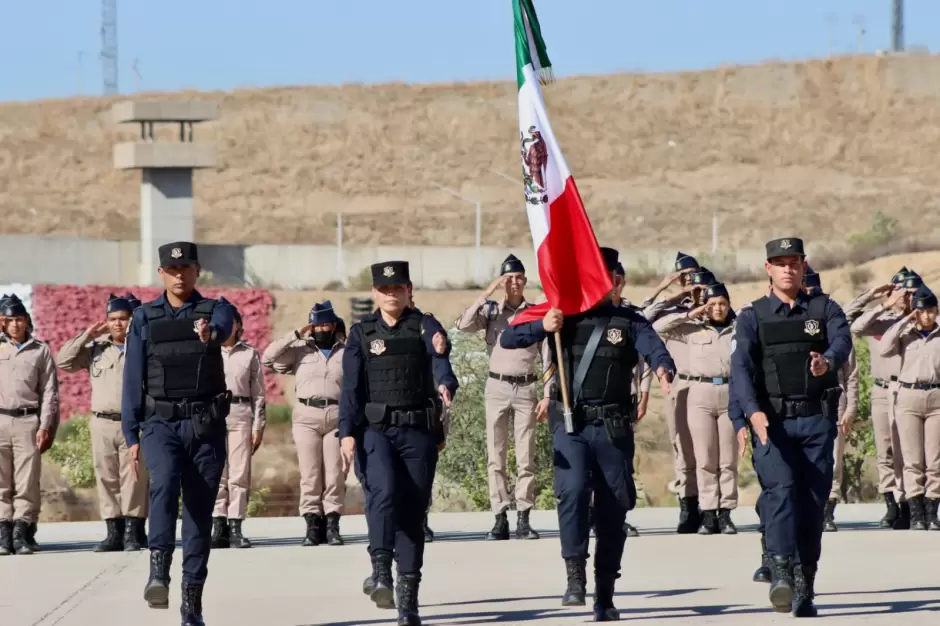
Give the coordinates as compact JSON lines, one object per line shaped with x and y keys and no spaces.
{"x":377,"y":347}
{"x":811,"y":328}
{"x":614,"y":335}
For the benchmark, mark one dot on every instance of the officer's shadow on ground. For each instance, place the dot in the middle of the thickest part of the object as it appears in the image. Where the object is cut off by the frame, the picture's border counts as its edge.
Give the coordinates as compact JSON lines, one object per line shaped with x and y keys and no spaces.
{"x":678,"y":612}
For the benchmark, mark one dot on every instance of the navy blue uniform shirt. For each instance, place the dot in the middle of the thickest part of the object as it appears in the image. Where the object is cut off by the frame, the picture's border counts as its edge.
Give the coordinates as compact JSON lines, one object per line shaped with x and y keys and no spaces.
{"x":353,"y":398}
{"x":745,"y":349}
{"x":646,"y":341}
{"x":135,"y":357}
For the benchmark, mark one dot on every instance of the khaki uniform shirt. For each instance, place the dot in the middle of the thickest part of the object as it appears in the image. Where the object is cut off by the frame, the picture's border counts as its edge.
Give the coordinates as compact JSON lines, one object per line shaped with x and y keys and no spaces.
{"x":493,"y":318}
{"x":920,"y":356}
{"x":316,"y":375}
{"x":873,"y":324}
{"x":28,"y":380}
{"x":706,"y":349}
{"x":848,"y":380}
{"x":104,"y":361}
{"x":244,"y":377}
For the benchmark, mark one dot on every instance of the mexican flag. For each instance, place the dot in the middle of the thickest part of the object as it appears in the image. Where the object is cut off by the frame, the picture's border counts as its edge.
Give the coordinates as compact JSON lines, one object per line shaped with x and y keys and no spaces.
{"x":570,"y":264}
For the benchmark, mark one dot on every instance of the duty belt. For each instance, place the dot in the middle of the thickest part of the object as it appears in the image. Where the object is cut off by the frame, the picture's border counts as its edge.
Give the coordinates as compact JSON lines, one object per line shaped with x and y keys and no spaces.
{"x":718,"y":380}
{"x":173,"y":411}
{"x":788,"y":409}
{"x":24,"y":412}
{"x":320,"y":403}
{"x":882,"y":383}
{"x":114,"y":417}
{"x":419,"y":418}
{"x":241,"y":400}
{"x":920,"y":386}
{"x":515,"y":380}
{"x":593,"y":414}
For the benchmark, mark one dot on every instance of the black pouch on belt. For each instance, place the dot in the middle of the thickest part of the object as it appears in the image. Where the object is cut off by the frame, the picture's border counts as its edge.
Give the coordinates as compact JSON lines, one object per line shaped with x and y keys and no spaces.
{"x":830,"y":403}
{"x":376,"y":413}
{"x":616,"y":424}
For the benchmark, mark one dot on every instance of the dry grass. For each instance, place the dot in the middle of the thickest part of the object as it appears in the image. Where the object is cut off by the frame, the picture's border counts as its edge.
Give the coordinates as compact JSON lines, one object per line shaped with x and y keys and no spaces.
{"x":813,"y":148}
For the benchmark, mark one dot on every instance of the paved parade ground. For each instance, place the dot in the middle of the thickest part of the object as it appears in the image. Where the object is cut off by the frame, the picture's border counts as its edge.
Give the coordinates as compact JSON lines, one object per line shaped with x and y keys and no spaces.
{"x":867,"y":576}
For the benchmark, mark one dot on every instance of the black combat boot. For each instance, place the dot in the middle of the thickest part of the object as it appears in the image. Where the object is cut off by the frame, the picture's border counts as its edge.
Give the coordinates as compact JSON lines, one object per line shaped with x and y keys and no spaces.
{"x":689,"y":516}
{"x":142,"y":532}
{"x":408,"y":600}
{"x":500,"y":530}
{"x":891,"y":512}
{"x":428,"y":533}
{"x":235,"y":537}
{"x":6,"y":538}
{"x":630,"y":531}
{"x":20,"y":533}
{"x":804,"y":581}
{"x":114,"y":540}
{"x":762,"y":574}
{"x":332,"y":530}
{"x":829,"y":517}
{"x":369,"y":581}
{"x":918,"y":513}
{"x":725,"y":525}
{"x":312,"y":538}
{"x":576,"y":570}
{"x":781,"y":589}
{"x":132,"y":533}
{"x":383,"y":593}
{"x":321,"y":529}
{"x":931,"y":509}
{"x":709,"y":523}
{"x":591,"y":521}
{"x":157,"y":591}
{"x":904,"y":516}
{"x":604,"y":609}
{"x":191,"y":605}
{"x":31,"y":537}
{"x":220,"y":537}
{"x":523,"y":529}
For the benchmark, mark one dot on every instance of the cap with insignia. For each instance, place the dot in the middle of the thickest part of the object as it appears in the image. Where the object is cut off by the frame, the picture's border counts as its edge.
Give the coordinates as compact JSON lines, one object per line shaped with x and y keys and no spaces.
{"x":178,"y":253}
{"x":923,"y":298}
{"x":787,"y":246}
{"x":716,"y":290}
{"x":912,"y":281}
{"x":511,"y":265}
{"x":134,"y":300}
{"x":14,"y":307}
{"x":812,"y":279}
{"x":322,"y":313}
{"x":685,"y":262}
{"x":117,"y":303}
{"x":703,"y":278}
{"x":898,"y":278}
{"x":620,"y":271}
{"x":390,"y":273}
{"x":3,"y":301}
{"x":611,"y":258}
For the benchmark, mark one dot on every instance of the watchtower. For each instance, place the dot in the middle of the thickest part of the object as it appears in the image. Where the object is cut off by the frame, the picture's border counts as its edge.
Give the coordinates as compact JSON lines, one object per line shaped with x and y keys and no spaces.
{"x":166,"y":183}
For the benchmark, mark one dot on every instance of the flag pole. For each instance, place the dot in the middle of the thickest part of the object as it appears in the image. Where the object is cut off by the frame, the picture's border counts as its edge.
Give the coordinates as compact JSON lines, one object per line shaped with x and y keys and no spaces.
{"x":563,"y":383}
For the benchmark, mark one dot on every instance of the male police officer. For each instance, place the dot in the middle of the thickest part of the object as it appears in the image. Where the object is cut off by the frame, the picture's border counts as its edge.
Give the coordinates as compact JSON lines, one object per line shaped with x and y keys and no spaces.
{"x":600,"y":350}
{"x":174,"y":404}
{"x":390,"y":407}
{"x":785,"y":359}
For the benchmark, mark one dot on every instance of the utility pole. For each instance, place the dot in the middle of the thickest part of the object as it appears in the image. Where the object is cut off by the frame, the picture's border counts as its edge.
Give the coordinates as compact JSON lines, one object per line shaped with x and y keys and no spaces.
{"x":897,"y":26}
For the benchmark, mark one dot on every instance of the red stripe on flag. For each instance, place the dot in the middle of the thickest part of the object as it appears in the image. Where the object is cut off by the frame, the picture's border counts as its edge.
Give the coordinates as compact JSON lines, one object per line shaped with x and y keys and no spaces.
{"x":574,"y":276}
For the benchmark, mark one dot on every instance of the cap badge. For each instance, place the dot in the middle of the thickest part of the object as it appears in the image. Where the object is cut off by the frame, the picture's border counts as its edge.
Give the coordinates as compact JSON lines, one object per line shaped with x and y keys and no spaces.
{"x":614,"y":335}
{"x":176,"y":253}
{"x":785,"y":244}
{"x":811,"y":328}
{"x":389,"y":271}
{"x":377,"y":347}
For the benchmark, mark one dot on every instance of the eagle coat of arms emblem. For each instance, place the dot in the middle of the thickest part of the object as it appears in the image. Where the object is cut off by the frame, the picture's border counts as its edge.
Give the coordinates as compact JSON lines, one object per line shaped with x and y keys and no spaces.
{"x":614,"y":335}
{"x":811,"y":328}
{"x":176,"y":253}
{"x":377,"y":347}
{"x":389,"y":271}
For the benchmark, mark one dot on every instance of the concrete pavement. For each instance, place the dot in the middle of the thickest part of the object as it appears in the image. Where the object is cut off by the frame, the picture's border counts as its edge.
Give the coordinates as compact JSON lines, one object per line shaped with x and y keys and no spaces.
{"x":867,"y":576}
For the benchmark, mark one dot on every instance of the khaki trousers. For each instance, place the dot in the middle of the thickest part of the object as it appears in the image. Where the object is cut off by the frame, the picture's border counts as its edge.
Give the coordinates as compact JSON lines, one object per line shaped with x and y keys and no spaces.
{"x":888,"y":458}
{"x":20,"y":469}
{"x":838,"y":469}
{"x":119,"y":495}
{"x":322,"y":483}
{"x":235,"y":486}
{"x":714,"y":445}
{"x":677,"y":420}
{"x":503,"y":399}
{"x":918,"y":419}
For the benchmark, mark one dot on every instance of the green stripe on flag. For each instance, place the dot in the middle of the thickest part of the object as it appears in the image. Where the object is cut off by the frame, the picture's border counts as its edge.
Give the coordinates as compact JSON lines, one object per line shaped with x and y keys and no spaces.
{"x":529,"y":42}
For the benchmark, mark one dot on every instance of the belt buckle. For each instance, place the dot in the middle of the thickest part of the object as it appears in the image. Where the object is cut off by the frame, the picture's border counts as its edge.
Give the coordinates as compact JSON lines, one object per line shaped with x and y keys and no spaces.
{"x":718,"y":380}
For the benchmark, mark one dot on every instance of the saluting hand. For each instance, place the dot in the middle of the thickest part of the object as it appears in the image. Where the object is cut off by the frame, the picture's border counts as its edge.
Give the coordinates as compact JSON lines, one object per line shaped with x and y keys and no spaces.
{"x":133,"y":456}
{"x":202,"y":329}
{"x":700,"y":311}
{"x":818,"y":365}
{"x":348,"y":452}
{"x":895,"y":298}
{"x":303,"y":331}
{"x":760,"y":424}
{"x":97,"y":328}
{"x":553,"y":320}
{"x":883,"y":290}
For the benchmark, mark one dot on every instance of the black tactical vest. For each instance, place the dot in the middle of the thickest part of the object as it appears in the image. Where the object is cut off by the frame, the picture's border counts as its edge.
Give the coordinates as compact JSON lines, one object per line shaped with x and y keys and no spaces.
{"x":398,"y":366}
{"x":610,"y":373}
{"x":178,"y":364}
{"x":785,"y":344}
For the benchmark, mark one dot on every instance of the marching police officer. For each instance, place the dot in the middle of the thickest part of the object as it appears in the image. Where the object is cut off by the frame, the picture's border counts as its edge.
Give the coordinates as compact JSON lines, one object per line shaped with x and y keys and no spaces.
{"x":174,"y":405}
{"x":600,"y":349}
{"x":787,"y":351}
{"x":122,"y":499}
{"x":391,"y":408}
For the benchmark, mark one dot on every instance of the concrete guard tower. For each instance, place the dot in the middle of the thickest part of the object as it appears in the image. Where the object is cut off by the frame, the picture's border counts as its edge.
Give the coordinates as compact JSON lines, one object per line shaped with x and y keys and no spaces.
{"x":166,"y":183}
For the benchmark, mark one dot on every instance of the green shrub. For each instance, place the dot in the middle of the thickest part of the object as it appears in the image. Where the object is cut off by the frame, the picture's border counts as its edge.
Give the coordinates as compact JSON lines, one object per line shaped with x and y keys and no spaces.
{"x":278,"y":413}
{"x":860,"y":443}
{"x":72,"y":452}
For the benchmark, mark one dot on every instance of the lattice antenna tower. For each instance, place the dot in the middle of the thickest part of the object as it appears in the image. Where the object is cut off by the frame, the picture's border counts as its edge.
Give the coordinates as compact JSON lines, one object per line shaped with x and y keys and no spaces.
{"x":109,"y":46}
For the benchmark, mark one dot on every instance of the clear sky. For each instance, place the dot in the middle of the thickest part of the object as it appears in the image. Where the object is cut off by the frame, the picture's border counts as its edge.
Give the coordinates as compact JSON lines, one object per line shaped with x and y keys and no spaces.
{"x":216,"y":44}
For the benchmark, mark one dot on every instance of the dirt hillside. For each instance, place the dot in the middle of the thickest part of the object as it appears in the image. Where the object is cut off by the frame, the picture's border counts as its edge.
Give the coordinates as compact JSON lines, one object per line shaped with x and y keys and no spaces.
{"x":812,"y":148}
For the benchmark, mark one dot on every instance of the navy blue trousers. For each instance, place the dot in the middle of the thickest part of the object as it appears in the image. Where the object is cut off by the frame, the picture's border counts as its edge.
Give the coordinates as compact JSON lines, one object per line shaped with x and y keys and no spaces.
{"x":399,"y":469}
{"x":588,"y":461}
{"x":176,"y":460}
{"x":795,"y":470}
